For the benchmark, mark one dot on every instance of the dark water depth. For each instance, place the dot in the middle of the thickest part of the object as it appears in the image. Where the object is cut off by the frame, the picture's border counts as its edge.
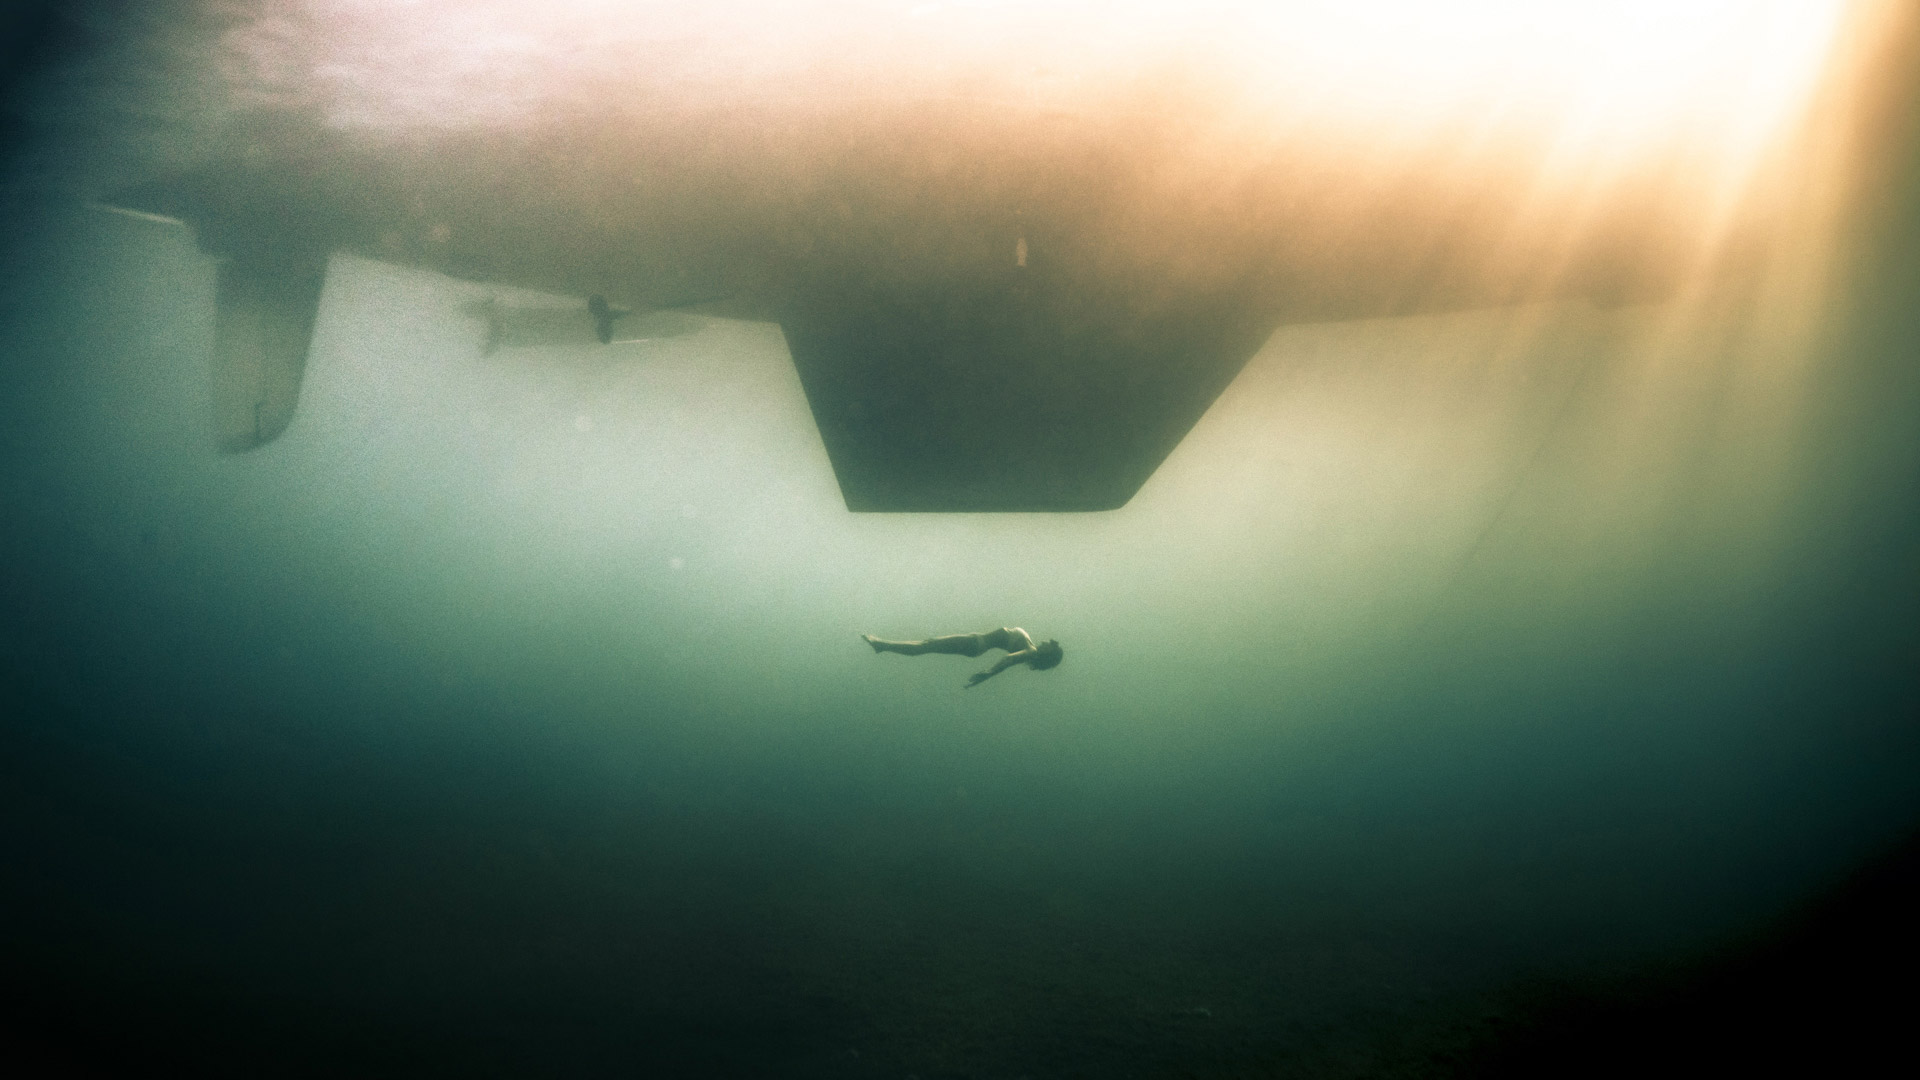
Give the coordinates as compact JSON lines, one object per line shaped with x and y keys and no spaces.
{"x":1454,"y":700}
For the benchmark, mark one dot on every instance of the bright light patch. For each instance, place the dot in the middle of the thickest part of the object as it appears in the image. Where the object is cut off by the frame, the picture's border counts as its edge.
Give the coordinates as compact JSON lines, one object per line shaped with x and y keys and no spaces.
{"x":1632,"y":66}
{"x":1574,"y":114}
{"x":1629,"y":67}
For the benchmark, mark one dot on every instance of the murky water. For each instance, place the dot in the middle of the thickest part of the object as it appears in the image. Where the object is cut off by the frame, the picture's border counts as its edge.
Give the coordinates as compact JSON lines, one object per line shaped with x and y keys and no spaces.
{"x":508,"y":713}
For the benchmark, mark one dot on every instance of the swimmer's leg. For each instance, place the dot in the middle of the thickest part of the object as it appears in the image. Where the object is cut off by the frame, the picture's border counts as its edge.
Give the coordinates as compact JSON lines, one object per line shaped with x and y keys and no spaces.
{"x":956,"y":644}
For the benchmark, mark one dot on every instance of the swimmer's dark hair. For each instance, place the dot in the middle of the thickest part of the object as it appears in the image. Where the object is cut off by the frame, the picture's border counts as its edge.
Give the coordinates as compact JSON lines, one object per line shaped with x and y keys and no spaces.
{"x":1047,"y":654}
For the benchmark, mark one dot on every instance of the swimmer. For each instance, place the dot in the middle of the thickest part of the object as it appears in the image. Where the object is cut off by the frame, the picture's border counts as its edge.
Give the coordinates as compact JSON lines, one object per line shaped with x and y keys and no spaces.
{"x":1019,"y":647}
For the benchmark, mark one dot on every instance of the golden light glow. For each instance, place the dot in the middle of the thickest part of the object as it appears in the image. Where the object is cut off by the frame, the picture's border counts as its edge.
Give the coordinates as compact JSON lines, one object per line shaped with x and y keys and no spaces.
{"x":1570,"y":107}
{"x":1625,"y":69}
{"x":1569,"y":110}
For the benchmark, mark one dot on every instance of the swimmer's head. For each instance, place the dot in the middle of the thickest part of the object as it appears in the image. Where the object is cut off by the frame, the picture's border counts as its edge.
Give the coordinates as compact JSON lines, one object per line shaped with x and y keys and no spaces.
{"x":1047,"y":654}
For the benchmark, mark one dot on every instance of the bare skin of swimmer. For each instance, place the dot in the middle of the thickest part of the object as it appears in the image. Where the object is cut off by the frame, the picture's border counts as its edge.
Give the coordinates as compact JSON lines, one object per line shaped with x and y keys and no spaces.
{"x":1018,"y":644}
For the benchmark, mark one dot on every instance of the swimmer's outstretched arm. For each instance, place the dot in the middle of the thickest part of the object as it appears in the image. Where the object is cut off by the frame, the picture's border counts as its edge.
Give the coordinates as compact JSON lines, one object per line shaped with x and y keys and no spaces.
{"x":1003,"y":664}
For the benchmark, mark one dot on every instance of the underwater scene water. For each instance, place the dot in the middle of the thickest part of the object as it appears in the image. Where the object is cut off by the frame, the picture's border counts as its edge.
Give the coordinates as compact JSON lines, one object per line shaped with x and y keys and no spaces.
{"x":508,"y":713}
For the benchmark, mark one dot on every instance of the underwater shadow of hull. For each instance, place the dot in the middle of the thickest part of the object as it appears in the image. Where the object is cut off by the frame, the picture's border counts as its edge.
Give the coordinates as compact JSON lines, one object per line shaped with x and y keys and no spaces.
{"x":1036,"y":334}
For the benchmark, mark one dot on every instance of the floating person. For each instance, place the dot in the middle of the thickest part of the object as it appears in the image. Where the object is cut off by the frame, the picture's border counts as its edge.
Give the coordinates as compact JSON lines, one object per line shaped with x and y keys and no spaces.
{"x":1017,"y":643}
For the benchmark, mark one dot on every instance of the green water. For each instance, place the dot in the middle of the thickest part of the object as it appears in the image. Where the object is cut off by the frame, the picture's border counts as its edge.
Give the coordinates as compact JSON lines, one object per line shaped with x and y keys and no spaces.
{"x":508,"y":713}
